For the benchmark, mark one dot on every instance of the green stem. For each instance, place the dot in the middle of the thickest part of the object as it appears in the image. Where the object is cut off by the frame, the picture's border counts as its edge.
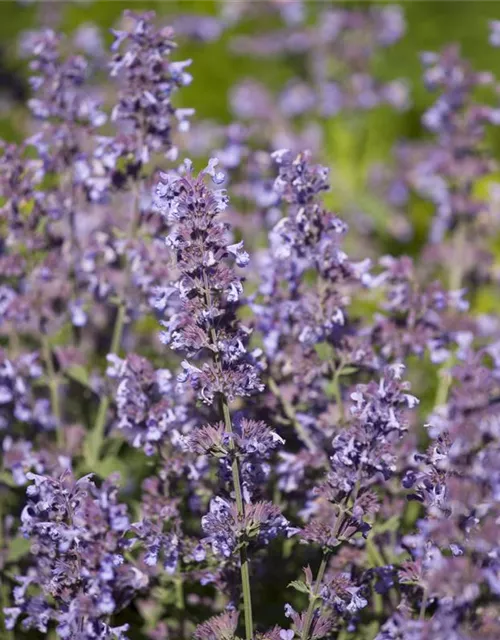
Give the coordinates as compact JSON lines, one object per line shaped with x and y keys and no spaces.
{"x":102,"y":411}
{"x":4,"y":591}
{"x":423,"y":604}
{"x":457,"y":268}
{"x":179,"y":603}
{"x":97,"y":435}
{"x":121,"y":316}
{"x":322,"y":568}
{"x":374,"y":554}
{"x":14,"y":342}
{"x":314,"y":596}
{"x":179,"y":594}
{"x":444,"y":383}
{"x":244,"y":566}
{"x":291,"y":415}
{"x":53,"y":384}
{"x":337,"y":392}
{"x":135,"y":217}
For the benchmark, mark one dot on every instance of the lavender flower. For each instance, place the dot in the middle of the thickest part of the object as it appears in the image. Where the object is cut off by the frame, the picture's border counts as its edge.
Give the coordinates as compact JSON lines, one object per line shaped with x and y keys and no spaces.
{"x":221,"y":627}
{"x":415,"y":319}
{"x":202,"y":303}
{"x":77,"y":534}
{"x":147,"y":409}
{"x":149,"y":79}
{"x":225,"y":529}
{"x":348,"y":37}
{"x":16,"y":400}
{"x":254,"y":444}
{"x":60,"y":97}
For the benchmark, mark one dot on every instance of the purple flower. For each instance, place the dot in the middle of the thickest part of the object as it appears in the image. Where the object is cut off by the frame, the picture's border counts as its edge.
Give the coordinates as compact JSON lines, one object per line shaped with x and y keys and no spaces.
{"x":149,"y":402}
{"x":148,"y":79}
{"x":77,"y":534}
{"x":225,"y":529}
{"x":218,"y":628}
{"x":200,"y":316}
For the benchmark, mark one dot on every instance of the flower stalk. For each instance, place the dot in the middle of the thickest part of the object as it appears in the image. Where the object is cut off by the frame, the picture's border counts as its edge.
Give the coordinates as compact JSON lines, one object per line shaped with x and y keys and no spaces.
{"x":97,"y":434}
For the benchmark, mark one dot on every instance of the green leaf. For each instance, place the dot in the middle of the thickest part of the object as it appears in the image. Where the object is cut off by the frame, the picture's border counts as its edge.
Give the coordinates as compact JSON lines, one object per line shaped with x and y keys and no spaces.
{"x":108,"y":465}
{"x":330,"y":389}
{"x":389,"y":525}
{"x":370,"y":630}
{"x":288,"y":546}
{"x":324,"y":350}
{"x":79,"y":374}
{"x":18,"y":548}
{"x":164,"y":595}
{"x":347,"y":371}
{"x":89,"y":451}
{"x":7,"y":479}
{"x":300,"y":586}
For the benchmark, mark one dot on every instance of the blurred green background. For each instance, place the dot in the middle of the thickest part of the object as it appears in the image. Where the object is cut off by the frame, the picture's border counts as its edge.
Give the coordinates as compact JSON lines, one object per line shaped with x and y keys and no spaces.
{"x":430,"y":25}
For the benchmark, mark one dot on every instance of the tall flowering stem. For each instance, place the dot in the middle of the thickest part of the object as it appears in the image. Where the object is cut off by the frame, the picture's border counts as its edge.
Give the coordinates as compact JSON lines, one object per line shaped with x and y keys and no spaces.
{"x":245,"y":570}
{"x":53,"y":385}
{"x":235,"y":471}
{"x":102,"y":410}
{"x":145,"y":122}
{"x":344,"y":503}
{"x":200,"y":313}
{"x":4,"y":590}
{"x":314,"y":596}
{"x":451,"y":168}
{"x":83,"y":529}
{"x":307,"y":281}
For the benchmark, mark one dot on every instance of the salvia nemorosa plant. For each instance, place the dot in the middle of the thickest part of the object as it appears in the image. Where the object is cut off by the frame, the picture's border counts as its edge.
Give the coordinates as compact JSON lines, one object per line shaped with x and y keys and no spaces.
{"x":224,"y":412}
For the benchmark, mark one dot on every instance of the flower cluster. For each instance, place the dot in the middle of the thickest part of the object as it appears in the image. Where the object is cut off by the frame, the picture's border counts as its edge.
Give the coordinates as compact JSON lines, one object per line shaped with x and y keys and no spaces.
{"x":225,"y":529}
{"x":254,"y":443}
{"x":148,"y":78}
{"x":16,"y":394}
{"x":81,"y":577}
{"x":148,"y":406}
{"x":202,"y":304}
